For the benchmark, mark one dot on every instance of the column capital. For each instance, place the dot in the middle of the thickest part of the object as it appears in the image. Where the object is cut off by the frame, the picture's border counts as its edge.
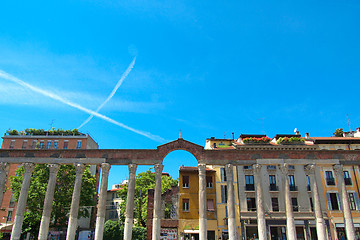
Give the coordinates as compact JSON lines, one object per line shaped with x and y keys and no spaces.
{"x":132,"y":168}
{"x":79,"y":167}
{"x":284,"y":168}
{"x":257,"y":167}
{"x":310,"y":169}
{"x":202,"y":168}
{"x":3,"y":166}
{"x":53,"y":168}
{"x":229,"y":172}
{"x":158,"y":168}
{"x":338,"y":169}
{"x":29,"y":167}
{"x":105,"y":167}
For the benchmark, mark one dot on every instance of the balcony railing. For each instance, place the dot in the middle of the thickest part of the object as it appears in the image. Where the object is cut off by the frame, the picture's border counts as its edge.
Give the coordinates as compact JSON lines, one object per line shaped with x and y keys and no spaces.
{"x":273,"y":187}
{"x":249,"y":187}
{"x":330,"y":181}
{"x":293,"y":188}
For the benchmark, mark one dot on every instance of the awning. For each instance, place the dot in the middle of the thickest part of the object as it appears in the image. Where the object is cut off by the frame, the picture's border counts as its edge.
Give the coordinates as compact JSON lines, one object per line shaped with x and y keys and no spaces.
{"x":6,"y":227}
{"x":191,"y":231}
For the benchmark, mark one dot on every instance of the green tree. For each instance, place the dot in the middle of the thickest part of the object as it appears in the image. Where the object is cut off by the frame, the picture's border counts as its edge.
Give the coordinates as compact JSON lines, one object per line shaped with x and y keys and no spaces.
{"x":62,"y":196}
{"x":339,"y":132}
{"x":143,"y":182}
{"x":114,"y":230}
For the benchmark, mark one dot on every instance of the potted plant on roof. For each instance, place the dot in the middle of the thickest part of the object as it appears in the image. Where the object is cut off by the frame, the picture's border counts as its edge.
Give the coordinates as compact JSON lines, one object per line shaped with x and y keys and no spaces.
{"x":256,"y":141}
{"x":290,"y":141}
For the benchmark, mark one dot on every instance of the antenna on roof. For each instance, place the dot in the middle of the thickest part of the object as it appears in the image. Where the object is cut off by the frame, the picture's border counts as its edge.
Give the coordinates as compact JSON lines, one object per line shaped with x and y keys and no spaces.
{"x":180,"y":133}
{"x":348,"y":121}
{"x":51,"y":124}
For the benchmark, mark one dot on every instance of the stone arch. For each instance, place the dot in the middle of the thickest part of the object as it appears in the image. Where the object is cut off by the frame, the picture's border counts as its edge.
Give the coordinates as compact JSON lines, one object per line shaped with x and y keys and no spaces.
{"x":180,"y":144}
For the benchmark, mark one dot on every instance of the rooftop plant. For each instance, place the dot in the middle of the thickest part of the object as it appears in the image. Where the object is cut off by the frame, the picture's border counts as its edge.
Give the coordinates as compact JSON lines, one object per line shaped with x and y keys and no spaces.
{"x":42,"y":132}
{"x":339,"y":132}
{"x":256,"y":140}
{"x":285,"y":140}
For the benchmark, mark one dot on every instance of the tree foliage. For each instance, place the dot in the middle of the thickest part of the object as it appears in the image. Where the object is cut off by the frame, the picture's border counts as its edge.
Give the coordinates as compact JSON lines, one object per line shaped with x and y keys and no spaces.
{"x":339,"y":132}
{"x":62,"y":196}
{"x":143,"y":182}
{"x":114,"y":230}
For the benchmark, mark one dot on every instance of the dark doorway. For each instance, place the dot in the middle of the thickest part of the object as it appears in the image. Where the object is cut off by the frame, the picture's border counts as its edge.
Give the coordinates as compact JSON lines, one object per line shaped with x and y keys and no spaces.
{"x":211,"y":235}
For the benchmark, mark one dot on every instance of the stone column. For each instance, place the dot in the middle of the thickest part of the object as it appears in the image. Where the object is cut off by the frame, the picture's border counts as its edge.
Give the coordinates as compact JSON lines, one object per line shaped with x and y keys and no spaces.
{"x":19,"y":217}
{"x":202,"y":202}
{"x":157,"y":202}
{"x":74,"y":210}
{"x":4,"y":167}
{"x":344,"y":198}
{"x":320,"y":223}
{"x":101,"y":207}
{"x":230,"y":202}
{"x":290,"y":224}
{"x":260,"y":203}
{"x":49,"y":197}
{"x":129,"y":214}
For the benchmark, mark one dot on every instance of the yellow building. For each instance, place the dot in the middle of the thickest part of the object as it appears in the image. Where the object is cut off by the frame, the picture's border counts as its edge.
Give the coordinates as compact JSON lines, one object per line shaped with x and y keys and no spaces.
{"x":189,"y":203}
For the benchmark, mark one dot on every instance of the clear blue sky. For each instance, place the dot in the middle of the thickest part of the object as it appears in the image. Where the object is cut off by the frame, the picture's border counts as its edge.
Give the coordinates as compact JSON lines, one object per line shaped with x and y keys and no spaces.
{"x":208,"y":68}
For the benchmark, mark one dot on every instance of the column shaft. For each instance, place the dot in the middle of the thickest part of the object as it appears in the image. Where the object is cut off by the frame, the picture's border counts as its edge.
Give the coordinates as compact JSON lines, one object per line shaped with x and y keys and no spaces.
{"x":320,"y":223}
{"x":231,"y":202}
{"x":129,"y":214}
{"x":290,"y":224}
{"x":348,"y":220}
{"x":101,"y":207}
{"x":157,"y":203}
{"x":202,"y":202}
{"x":259,"y":203}
{"x":3,"y":175}
{"x":74,"y":210}
{"x":49,"y":197}
{"x":20,"y":211}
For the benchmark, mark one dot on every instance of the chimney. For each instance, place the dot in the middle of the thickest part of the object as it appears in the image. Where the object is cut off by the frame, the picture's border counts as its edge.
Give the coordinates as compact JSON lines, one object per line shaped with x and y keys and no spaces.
{"x":307,"y":136}
{"x":233,"y":136}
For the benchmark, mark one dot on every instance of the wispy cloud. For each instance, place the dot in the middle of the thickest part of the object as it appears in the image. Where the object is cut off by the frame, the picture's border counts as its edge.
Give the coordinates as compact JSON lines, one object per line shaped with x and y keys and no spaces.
{"x":125,"y":74}
{"x":56,"y":97}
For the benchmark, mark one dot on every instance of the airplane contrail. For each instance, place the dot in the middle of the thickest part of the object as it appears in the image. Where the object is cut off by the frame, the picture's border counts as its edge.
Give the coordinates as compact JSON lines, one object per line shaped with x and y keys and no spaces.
{"x":9,"y":77}
{"x":125,"y":74}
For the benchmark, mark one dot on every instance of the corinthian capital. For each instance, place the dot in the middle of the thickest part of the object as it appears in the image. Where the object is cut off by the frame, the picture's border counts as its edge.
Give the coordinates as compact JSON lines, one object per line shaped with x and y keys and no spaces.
{"x":202,"y":168}
{"x":79,"y":167}
{"x":53,"y":168}
{"x":29,"y":167}
{"x":284,"y":168}
{"x":310,"y":169}
{"x":257,"y":168}
{"x":105,"y":167}
{"x":158,"y":168}
{"x":338,"y":169}
{"x":132,"y":168}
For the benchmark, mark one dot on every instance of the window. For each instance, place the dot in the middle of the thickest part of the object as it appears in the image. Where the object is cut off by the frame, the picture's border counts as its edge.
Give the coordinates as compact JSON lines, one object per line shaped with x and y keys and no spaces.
{"x":347,"y":178}
{"x":291,"y":167}
{"x":275,"y":204}
{"x":48,"y":144}
{"x":248,"y":167}
{"x":295,"y":204}
{"x":41,"y":146}
{"x":353,"y":200}
{"x":185,"y":181}
{"x":66,"y":145}
{"x":223,"y":174}
{"x":330,"y":180}
{"x":24,"y":144}
{"x":333,"y":201}
{"x":12,"y":144}
{"x":210,"y":205}
{"x":249,"y":181}
{"x":292,"y":183}
{"x":9,"y":216}
{"x":311,"y":205}
{"x":308,"y":183}
{"x":271,"y":167}
{"x":185,"y":205}
{"x":56,"y":144}
{"x":251,"y":205}
{"x":33,"y":144}
{"x":223,"y":193}
{"x":209,"y":182}
{"x":272,"y":181}
{"x":78,"y":144}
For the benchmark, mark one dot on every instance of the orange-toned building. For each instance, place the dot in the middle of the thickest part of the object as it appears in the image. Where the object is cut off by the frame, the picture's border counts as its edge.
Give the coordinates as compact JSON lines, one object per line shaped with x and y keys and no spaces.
{"x":189,"y":203}
{"x":39,"y":142}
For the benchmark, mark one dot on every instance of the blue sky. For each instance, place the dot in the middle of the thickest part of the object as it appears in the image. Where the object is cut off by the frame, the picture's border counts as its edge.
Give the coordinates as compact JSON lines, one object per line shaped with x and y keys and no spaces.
{"x":209,"y":68}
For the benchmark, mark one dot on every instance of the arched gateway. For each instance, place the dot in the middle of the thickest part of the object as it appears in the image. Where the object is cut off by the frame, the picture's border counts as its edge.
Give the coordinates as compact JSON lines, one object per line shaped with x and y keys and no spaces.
{"x":250,"y":155}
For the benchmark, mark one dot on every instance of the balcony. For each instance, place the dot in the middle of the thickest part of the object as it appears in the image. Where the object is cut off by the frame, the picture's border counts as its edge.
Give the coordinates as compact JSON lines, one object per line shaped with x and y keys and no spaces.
{"x":293,"y":188}
{"x":330,"y":181}
{"x":273,"y":187}
{"x":347,"y":181}
{"x":249,"y":187}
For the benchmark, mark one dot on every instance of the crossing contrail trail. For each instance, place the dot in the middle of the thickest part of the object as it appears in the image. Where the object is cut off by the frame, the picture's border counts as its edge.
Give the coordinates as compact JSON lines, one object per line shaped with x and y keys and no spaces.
{"x":125,"y":74}
{"x":56,"y":97}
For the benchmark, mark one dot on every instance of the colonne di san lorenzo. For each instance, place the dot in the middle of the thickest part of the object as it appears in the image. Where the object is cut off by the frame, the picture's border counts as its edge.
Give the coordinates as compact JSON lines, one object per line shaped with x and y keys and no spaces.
{"x":308,"y":157}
